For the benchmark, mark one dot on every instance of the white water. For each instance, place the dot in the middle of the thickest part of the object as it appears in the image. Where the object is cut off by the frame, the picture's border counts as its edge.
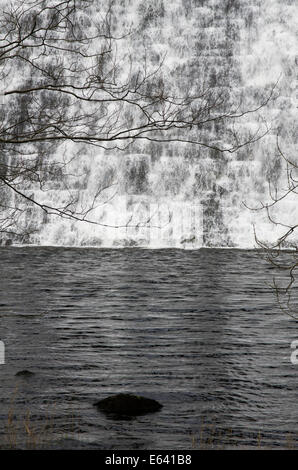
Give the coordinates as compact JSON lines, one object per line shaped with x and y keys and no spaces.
{"x":179,"y":196}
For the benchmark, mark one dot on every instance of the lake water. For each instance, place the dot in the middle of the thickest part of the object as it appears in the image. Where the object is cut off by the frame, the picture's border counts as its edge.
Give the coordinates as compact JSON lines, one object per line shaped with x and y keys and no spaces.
{"x":199,"y":331}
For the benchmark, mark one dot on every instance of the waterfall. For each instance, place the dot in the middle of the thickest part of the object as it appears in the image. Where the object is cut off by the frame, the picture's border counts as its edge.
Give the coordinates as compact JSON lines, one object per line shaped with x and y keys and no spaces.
{"x":178,"y":196}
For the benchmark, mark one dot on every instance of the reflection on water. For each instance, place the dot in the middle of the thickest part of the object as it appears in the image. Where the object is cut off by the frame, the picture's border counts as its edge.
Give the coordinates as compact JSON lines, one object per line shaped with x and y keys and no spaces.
{"x":197,"y":330}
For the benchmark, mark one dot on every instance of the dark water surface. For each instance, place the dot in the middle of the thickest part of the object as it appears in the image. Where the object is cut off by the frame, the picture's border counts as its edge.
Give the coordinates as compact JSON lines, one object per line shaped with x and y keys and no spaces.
{"x":197,"y":330}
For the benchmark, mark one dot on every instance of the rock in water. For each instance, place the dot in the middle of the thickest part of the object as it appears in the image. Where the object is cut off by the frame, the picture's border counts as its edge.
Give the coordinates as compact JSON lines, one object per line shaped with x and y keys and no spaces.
{"x":24,"y":373}
{"x":128,"y":404}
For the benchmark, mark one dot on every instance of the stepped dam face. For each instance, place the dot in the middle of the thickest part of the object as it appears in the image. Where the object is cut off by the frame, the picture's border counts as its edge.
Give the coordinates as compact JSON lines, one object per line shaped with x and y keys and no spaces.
{"x":175,"y":194}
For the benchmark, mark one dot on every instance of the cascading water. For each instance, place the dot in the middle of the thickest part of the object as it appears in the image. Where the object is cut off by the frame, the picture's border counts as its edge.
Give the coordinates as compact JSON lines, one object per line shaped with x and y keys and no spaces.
{"x":177,"y":195}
